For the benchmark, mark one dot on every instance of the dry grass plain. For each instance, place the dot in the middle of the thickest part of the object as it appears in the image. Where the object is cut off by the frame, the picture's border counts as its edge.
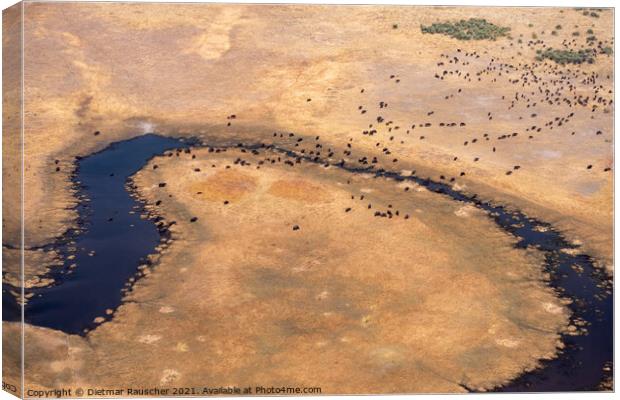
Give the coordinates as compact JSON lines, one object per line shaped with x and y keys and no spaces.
{"x":349,"y":302}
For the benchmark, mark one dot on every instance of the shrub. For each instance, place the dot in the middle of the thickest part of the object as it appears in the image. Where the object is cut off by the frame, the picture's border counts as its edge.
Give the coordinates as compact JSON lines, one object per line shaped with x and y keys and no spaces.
{"x":607,"y":50}
{"x":471,"y":29}
{"x":575,"y":33}
{"x":566,"y":56}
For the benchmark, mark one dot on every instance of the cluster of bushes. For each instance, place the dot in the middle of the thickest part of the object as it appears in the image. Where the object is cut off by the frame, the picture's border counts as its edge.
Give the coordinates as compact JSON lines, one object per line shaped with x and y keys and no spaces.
{"x":566,"y":56}
{"x":471,"y":29}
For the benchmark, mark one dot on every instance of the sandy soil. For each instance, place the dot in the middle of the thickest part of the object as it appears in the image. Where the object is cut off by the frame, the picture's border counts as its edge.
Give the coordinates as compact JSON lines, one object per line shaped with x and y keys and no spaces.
{"x":126,"y":69}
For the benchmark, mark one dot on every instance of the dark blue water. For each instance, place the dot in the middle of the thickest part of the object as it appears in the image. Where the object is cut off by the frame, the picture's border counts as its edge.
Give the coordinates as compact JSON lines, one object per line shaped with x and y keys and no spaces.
{"x":11,"y":310}
{"x":121,"y":241}
{"x":111,"y":242}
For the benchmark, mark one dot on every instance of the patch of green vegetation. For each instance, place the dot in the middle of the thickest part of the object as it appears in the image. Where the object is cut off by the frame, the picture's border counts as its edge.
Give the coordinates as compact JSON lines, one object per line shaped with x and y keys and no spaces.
{"x":589,"y":31}
{"x":607,"y":50}
{"x":591,"y":39}
{"x":566,"y":56}
{"x":558,"y":27}
{"x":471,"y":29}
